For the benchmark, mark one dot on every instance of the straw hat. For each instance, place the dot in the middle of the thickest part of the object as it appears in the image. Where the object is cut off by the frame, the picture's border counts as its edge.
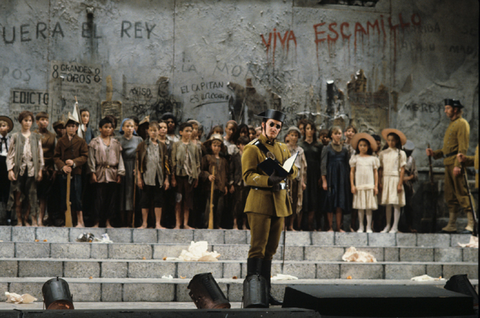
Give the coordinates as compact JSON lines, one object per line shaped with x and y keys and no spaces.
{"x":294,"y":128}
{"x":368,"y":137}
{"x":9,"y":122}
{"x":388,"y":131}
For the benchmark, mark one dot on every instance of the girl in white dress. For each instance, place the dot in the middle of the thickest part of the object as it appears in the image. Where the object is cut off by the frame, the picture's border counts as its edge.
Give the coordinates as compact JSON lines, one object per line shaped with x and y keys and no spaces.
{"x":364,"y":178}
{"x":393,"y":161}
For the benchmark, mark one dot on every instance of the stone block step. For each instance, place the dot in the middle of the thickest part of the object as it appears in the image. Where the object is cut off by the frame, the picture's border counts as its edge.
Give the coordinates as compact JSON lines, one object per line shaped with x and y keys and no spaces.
{"x":228,"y":252}
{"x":174,"y":290}
{"x":64,"y":235}
{"x":102,"y":268}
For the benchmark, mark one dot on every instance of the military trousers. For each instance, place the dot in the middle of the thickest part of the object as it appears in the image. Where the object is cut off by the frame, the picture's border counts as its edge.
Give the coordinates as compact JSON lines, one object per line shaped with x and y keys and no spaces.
{"x":455,"y":190}
{"x":265,"y":231}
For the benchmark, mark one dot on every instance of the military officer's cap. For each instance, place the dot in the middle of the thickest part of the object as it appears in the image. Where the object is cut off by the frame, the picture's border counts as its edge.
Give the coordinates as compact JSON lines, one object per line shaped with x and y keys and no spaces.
{"x":453,"y":103}
{"x":272,"y":114}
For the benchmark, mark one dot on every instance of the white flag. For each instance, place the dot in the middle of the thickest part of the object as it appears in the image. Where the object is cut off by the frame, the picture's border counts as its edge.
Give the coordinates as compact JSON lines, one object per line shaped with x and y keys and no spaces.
{"x":76,"y":115}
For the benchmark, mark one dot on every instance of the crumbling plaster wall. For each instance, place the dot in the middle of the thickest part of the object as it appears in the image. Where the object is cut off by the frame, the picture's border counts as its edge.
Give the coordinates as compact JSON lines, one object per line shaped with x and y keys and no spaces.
{"x":419,"y":51}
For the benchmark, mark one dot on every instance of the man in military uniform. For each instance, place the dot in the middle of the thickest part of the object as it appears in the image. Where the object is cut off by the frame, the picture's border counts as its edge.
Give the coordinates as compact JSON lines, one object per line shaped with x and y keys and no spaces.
{"x":267,"y":202}
{"x":455,"y":142}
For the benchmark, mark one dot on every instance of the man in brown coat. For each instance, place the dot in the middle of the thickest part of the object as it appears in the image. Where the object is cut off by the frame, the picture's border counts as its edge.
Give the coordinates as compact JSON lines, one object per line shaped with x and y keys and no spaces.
{"x":70,"y":154}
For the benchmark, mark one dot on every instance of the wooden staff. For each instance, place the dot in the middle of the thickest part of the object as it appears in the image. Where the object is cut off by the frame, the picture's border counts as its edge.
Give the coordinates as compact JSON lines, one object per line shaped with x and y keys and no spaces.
{"x":68,"y":213}
{"x":210,"y":217}
{"x":433,"y":193}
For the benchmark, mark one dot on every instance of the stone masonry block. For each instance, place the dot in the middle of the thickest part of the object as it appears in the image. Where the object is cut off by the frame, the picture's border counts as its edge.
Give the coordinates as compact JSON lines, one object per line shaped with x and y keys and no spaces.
{"x":53,"y":234}
{"x":70,"y":250}
{"x":433,"y":240}
{"x":98,"y":250}
{"x":114,"y":269}
{"x":324,"y":253}
{"x":231,"y":269}
{"x":300,"y":270}
{"x":6,"y":233}
{"x":323,"y":238}
{"x":175,"y":236}
{"x":23,"y":234}
{"x":278,"y":290}
{"x":211,"y":236}
{"x":249,"y":237}
{"x":34,"y":289}
{"x":235,"y":292}
{"x":39,"y":268}
{"x":150,"y":269}
{"x":293,"y":253}
{"x":7,"y":250}
{"x":148,"y":292}
{"x":168,"y":250}
{"x":129,"y":251}
{"x":391,"y":254}
{"x":381,"y":239}
{"x":232,"y":252}
{"x":406,"y":239}
{"x":32,"y":250}
{"x":76,"y":232}
{"x":190,"y":269}
{"x":459,"y":238}
{"x":449,"y":254}
{"x":351,"y":239}
{"x":434,"y":270}
{"x":328,"y":271}
{"x":8,"y":268}
{"x":416,"y":254}
{"x":403,"y":271}
{"x":120,"y":235}
{"x":361,"y":270}
{"x":377,"y":252}
{"x":85,"y":291}
{"x":236,"y":237}
{"x":145,"y":236}
{"x":470,"y":254}
{"x":112,"y":292}
{"x":470,"y":270}
{"x":297,"y":238}
{"x":81,"y":269}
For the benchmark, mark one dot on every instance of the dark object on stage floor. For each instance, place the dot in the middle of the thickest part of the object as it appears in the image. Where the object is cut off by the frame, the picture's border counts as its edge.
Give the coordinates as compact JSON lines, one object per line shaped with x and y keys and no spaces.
{"x":56,"y":294}
{"x":379,"y":300}
{"x":255,"y":292}
{"x":461,"y":284}
{"x":206,"y":294}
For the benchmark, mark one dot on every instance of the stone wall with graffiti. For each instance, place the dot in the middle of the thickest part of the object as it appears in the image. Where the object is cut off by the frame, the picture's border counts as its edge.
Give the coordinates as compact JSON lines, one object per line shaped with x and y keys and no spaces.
{"x":386,"y":64}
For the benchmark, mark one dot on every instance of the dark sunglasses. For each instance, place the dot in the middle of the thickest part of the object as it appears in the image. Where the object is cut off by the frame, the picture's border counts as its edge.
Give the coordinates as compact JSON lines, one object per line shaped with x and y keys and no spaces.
{"x":272,"y":124}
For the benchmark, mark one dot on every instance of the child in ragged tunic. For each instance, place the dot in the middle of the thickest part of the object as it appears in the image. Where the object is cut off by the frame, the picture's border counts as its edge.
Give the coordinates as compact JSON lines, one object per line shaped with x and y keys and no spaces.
{"x":237,"y":185}
{"x":152,"y":177}
{"x":129,"y":144}
{"x":24,"y":165}
{"x":106,"y":167}
{"x":6,"y":126}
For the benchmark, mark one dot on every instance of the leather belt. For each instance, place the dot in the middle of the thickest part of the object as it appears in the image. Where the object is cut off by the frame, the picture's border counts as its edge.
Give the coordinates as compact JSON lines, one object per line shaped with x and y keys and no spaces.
{"x":275,"y":188}
{"x":450,"y":154}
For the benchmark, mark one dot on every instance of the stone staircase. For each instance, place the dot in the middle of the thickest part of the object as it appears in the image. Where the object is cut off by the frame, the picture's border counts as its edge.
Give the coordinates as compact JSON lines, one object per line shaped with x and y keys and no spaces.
{"x":131,"y":268}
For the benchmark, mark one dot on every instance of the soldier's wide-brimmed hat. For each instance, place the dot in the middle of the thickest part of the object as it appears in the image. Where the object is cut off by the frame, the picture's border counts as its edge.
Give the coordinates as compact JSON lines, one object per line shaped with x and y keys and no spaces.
{"x":368,"y":137}
{"x":9,"y":121}
{"x":401,"y":135}
{"x":453,"y":103}
{"x":272,"y":114}
{"x":294,"y":128}
{"x":409,"y":146}
{"x":70,"y":118}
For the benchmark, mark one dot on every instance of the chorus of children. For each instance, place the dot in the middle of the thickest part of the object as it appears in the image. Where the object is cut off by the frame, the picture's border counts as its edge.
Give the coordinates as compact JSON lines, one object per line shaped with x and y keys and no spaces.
{"x":165,"y":174}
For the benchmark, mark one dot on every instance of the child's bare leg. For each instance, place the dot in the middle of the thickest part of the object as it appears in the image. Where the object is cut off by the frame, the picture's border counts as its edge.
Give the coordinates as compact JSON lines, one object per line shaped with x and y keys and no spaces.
{"x":178,"y":215}
{"x":339,"y":220}
{"x":43,"y":204}
{"x":96,"y":224}
{"x":244,"y":227}
{"x":27,"y":214}
{"x":311,"y":216}
{"x":186,"y":214}
{"x":129,"y":218}
{"x":144,"y":219}
{"x":299,"y":221}
{"x":108,"y":225}
{"x":80,"y":219}
{"x":18,"y":209}
{"x":330,"y":221}
{"x":158,"y":218}
{"x":290,"y":221}
{"x":235,"y":225}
